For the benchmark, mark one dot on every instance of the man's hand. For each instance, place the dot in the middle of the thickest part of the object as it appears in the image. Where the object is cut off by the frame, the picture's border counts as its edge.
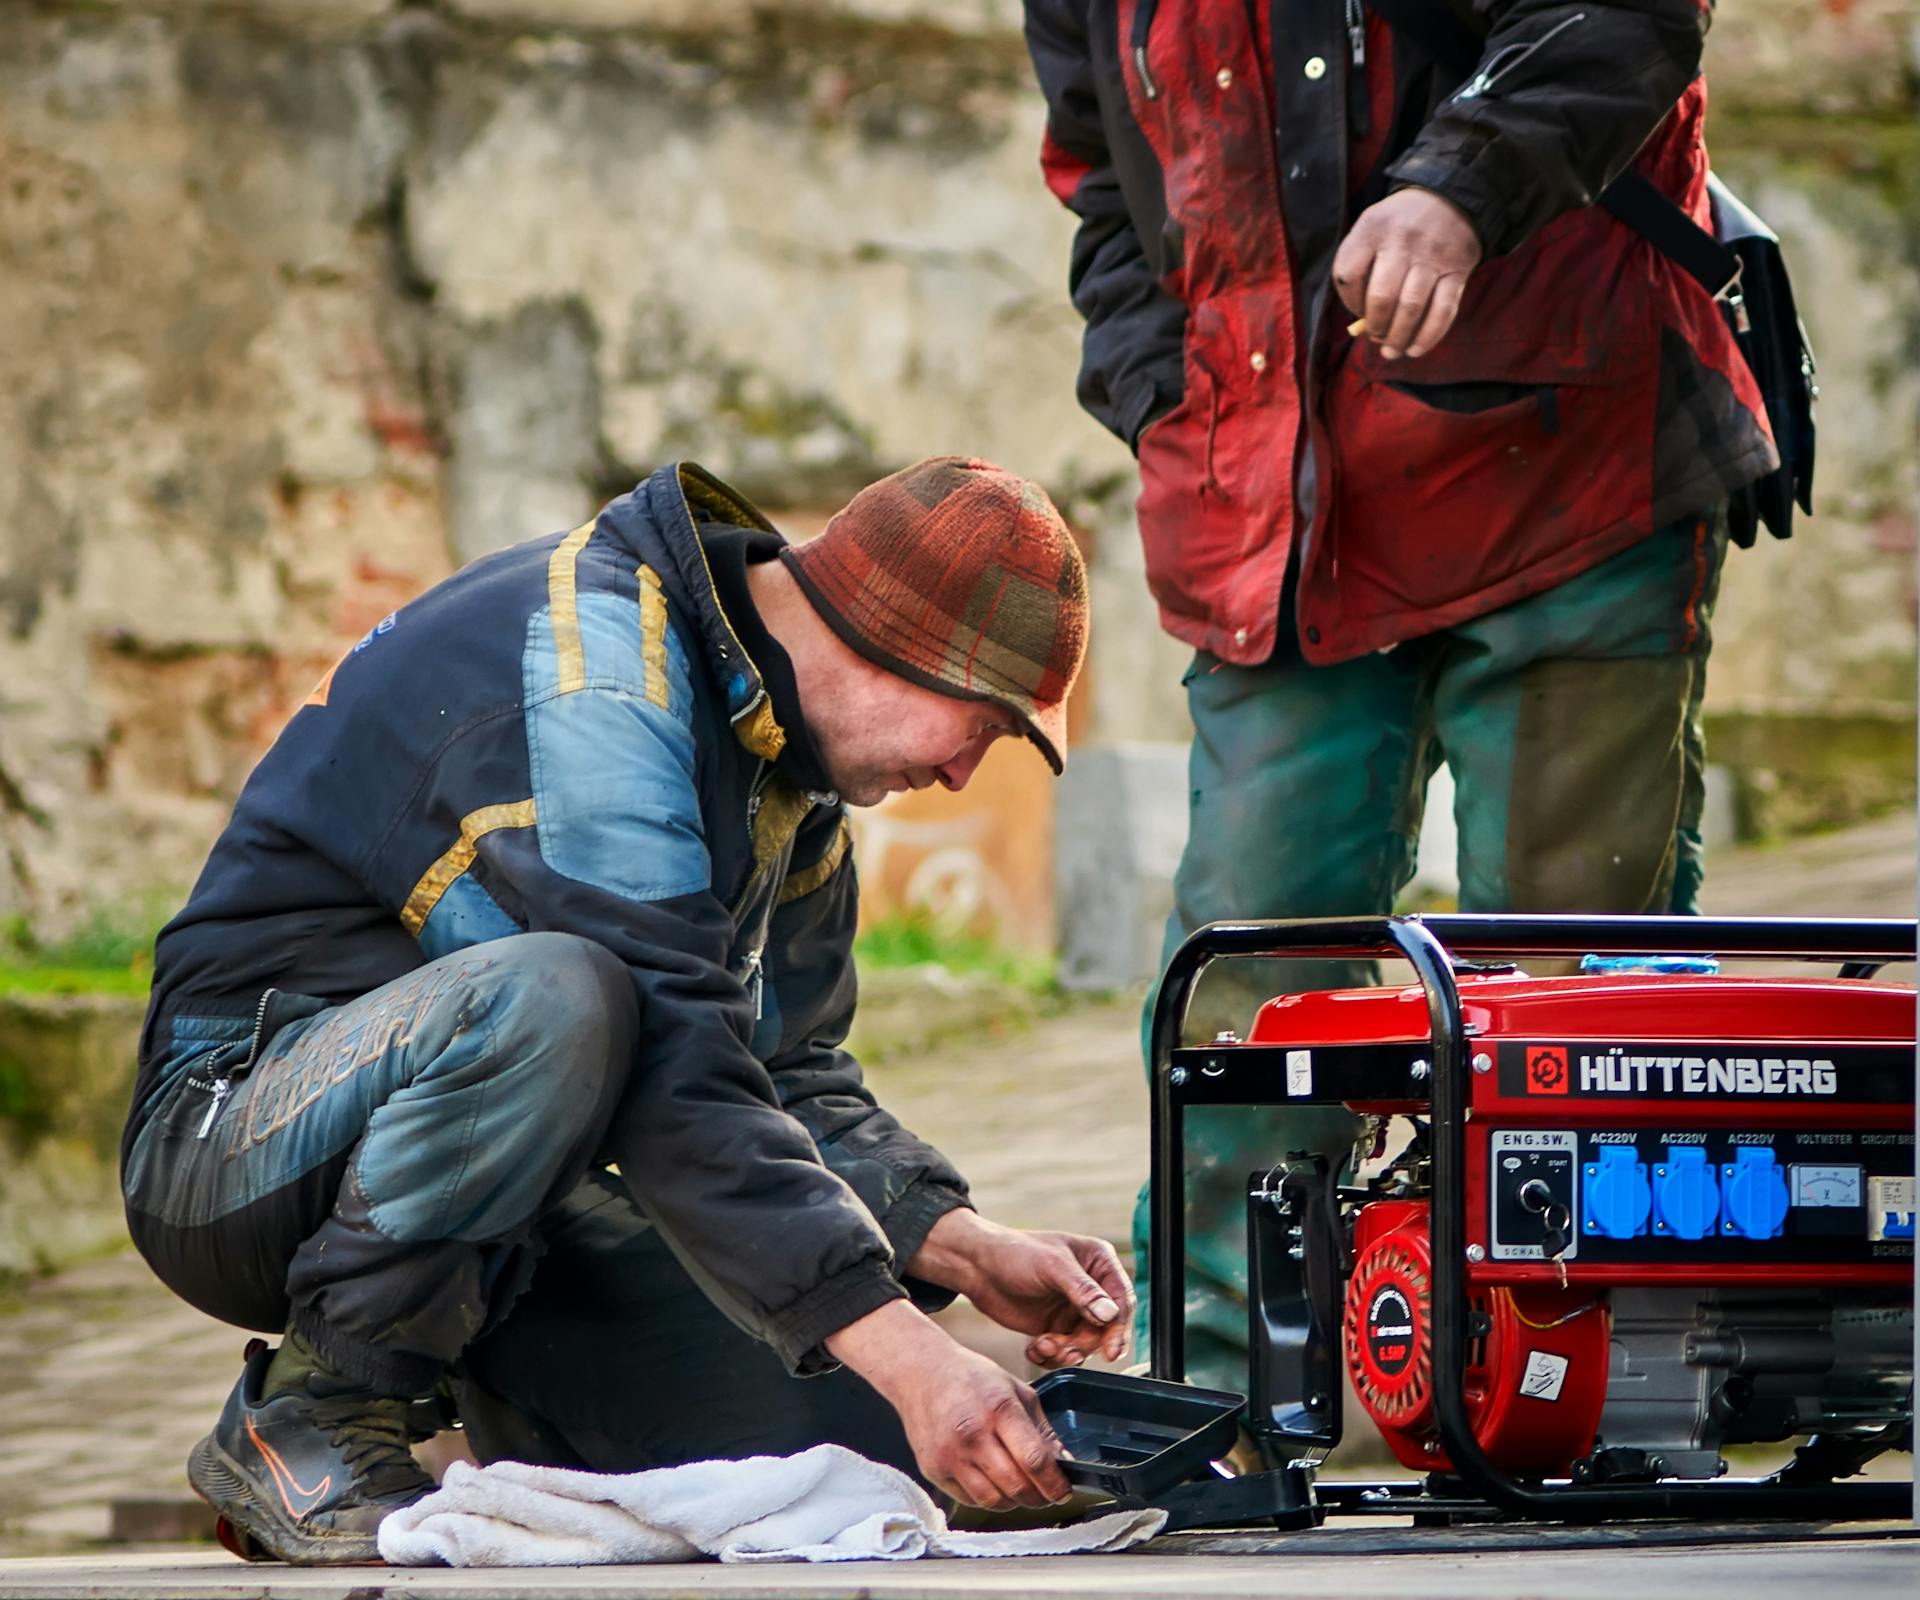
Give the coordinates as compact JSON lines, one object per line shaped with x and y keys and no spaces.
{"x":977,"y":1433}
{"x":1067,"y":1290}
{"x":1404,"y":267}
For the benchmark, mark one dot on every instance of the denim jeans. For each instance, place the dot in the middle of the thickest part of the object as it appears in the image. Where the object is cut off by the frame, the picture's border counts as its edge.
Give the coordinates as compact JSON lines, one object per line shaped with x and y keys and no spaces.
{"x":374,"y":1173}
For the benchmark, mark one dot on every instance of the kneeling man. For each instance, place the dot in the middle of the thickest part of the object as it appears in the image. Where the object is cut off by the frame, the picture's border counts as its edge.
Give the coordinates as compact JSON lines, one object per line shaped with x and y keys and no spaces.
{"x":499,"y":1044}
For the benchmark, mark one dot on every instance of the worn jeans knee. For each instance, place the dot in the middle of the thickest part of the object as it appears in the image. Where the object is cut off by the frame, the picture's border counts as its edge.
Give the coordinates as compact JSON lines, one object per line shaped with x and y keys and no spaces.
{"x":380,"y":1170}
{"x":514,"y":1102}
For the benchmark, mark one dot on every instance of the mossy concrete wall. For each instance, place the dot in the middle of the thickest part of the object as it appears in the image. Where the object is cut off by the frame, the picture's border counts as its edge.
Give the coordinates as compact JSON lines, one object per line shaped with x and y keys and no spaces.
{"x":66,"y":1066}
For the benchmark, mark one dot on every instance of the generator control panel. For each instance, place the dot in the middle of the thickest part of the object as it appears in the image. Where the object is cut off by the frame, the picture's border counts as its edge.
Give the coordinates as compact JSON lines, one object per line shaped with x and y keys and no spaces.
{"x":1732,"y":1196}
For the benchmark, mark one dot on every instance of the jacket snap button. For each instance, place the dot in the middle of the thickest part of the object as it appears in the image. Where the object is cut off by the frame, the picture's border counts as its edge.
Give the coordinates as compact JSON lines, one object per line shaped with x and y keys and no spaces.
{"x":1316,"y":67}
{"x":1257,"y":361}
{"x":1224,"y":77}
{"x":1239,"y":635}
{"x":1313,"y":636}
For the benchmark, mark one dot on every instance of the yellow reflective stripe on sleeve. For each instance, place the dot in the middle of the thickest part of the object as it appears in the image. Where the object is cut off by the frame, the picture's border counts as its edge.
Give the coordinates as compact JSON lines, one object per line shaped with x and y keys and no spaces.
{"x":810,"y":878}
{"x":653,"y":636}
{"x":563,"y":607}
{"x":439,"y":877}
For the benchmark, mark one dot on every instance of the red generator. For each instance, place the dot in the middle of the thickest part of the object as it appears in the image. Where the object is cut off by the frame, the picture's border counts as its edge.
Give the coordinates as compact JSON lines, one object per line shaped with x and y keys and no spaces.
{"x":1596,"y":1227}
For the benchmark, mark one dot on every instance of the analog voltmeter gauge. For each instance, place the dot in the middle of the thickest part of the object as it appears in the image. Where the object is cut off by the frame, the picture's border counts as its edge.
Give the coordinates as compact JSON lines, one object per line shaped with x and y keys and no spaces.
{"x":1826,"y":1186}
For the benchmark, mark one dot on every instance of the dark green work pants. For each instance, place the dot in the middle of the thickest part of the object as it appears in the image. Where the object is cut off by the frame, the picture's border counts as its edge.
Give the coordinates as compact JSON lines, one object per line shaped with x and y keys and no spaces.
{"x":1571,"y":724}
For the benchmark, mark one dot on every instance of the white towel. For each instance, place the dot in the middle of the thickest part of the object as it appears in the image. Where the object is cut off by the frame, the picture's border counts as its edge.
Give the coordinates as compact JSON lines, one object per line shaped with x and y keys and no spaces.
{"x":825,"y":1504}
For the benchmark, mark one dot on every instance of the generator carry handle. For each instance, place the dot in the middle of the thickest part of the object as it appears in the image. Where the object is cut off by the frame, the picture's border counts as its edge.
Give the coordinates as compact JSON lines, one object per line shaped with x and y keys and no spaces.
{"x":1430,"y":944}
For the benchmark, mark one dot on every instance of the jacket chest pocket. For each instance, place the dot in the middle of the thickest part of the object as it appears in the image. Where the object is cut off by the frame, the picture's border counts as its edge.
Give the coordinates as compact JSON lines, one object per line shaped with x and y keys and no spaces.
{"x":1452,"y":483}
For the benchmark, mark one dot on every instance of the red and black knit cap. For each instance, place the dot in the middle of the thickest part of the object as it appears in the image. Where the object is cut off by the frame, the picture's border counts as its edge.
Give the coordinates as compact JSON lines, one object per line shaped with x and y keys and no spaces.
{"x":960,"y":577}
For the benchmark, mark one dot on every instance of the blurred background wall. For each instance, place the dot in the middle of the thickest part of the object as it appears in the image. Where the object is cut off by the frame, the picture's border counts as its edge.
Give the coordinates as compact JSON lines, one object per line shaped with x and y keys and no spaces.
{"x":305,"y":302}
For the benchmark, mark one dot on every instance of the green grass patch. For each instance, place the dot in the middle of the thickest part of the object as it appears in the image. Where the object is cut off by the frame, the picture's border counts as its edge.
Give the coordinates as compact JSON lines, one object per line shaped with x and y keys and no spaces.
{"x":135,"y":978}
{"x":919,"y":939}
{"x":110,"y":953}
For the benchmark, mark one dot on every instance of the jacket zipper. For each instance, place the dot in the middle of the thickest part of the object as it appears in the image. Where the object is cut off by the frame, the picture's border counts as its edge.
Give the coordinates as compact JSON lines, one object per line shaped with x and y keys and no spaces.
{"x":1359,"y":101}
{"x":753,"y":971}
{"x":1142,"y":28}
{"x":223,"y":1085}
{"x":1509,"y":57}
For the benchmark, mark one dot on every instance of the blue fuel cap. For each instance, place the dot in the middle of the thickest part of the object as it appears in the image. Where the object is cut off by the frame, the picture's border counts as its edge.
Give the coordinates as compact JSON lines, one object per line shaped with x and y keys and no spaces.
{"x":1617,"y":1194}
{"x":1706,"y":966}
{"x":1686,"y":1199}
{"x":1756,"y":1191}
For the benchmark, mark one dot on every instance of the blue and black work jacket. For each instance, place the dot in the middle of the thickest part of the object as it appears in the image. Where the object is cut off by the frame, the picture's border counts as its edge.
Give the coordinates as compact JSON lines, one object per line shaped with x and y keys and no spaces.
{"x":569,"y":735}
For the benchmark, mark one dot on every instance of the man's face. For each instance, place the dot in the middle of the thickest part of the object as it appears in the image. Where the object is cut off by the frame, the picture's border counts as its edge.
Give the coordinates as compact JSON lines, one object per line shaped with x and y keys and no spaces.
{"x":895,"y":736}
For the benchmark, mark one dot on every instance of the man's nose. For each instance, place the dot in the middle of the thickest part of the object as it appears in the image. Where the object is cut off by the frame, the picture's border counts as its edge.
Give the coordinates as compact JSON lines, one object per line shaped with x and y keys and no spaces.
{"x":955,"y":773}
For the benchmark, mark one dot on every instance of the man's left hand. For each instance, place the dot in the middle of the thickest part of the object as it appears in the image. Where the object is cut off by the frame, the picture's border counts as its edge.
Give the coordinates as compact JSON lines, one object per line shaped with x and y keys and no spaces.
{"x":1404,"y":267}
{"x":1068,"y":1291}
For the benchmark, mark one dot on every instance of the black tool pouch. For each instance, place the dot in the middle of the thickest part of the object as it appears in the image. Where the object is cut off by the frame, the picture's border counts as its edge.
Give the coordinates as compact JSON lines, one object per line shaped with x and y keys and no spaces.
{"x":1774,"y":342}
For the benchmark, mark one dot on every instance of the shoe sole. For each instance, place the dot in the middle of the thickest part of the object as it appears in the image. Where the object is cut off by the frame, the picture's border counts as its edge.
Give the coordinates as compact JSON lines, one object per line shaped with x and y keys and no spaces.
{"x":217,"y":1478}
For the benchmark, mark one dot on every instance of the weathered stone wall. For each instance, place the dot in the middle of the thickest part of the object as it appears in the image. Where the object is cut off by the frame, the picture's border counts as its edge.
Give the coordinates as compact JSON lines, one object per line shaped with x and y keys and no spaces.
{"x":64,"y":1071}
{"x":306,"y":301}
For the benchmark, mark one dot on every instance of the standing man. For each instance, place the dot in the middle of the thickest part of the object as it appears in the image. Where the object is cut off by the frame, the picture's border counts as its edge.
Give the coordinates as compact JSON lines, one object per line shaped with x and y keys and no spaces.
{"x":501,"y":1036}
{"x":1487,"y":530}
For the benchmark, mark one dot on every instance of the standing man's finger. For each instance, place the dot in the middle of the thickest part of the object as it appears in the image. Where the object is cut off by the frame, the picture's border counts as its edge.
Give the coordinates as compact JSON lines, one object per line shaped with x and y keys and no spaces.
{"x":1441,"y":310}
{"x":1352,"y":263}
{"x":1383,"y":291}
{"x":1416,"y":289}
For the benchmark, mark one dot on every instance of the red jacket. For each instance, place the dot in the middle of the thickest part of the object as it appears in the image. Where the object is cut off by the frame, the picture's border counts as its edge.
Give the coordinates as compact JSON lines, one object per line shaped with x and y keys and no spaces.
{"x":1217,"y":151}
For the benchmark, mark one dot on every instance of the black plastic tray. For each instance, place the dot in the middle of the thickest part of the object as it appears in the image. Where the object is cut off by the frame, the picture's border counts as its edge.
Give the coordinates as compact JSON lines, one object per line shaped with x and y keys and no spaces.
{"x":1136,"y":1437}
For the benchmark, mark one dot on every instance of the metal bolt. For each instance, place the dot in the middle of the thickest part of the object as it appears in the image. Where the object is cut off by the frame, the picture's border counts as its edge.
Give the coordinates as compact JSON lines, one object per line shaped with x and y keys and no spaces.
{"x":1482,"y":1062}
{"x":1476,"y":1253}
{"x":1421,"y":1071}
{"x":1177,"y":1077}
{"x":1431,"y":1447}
{"x":1316,"y":1401}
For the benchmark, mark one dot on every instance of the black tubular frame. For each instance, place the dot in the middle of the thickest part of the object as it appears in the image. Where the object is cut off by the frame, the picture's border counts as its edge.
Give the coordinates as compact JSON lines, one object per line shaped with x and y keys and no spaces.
{"x":1429,"y":944}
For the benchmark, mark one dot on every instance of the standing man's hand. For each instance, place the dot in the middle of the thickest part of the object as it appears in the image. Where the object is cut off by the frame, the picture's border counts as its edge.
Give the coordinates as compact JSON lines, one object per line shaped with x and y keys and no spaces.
{"x":1404,"y":267}
{"x":977,"y":1432}
{"x":1070,"y":1292}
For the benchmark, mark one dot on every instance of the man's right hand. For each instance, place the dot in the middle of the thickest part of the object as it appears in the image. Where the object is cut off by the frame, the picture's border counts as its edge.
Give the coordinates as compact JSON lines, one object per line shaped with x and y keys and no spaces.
{"x":977,"y":1432}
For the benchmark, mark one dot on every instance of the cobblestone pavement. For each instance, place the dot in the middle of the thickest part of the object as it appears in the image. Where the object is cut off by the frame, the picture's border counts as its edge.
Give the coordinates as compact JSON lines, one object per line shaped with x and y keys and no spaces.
{"x":106,"y":1380}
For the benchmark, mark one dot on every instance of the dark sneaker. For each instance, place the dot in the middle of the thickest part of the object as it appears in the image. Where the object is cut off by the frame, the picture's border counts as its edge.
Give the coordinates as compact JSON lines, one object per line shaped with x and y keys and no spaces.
{"x":305,"y":1474}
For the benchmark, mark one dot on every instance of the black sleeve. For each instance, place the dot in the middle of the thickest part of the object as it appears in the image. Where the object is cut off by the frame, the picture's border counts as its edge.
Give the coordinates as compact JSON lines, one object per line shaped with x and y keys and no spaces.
{"x":733,"y":1182}
{"x":906,"y":1183}
{"x":1131,"y":356}
{"x":1567,"y":91}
